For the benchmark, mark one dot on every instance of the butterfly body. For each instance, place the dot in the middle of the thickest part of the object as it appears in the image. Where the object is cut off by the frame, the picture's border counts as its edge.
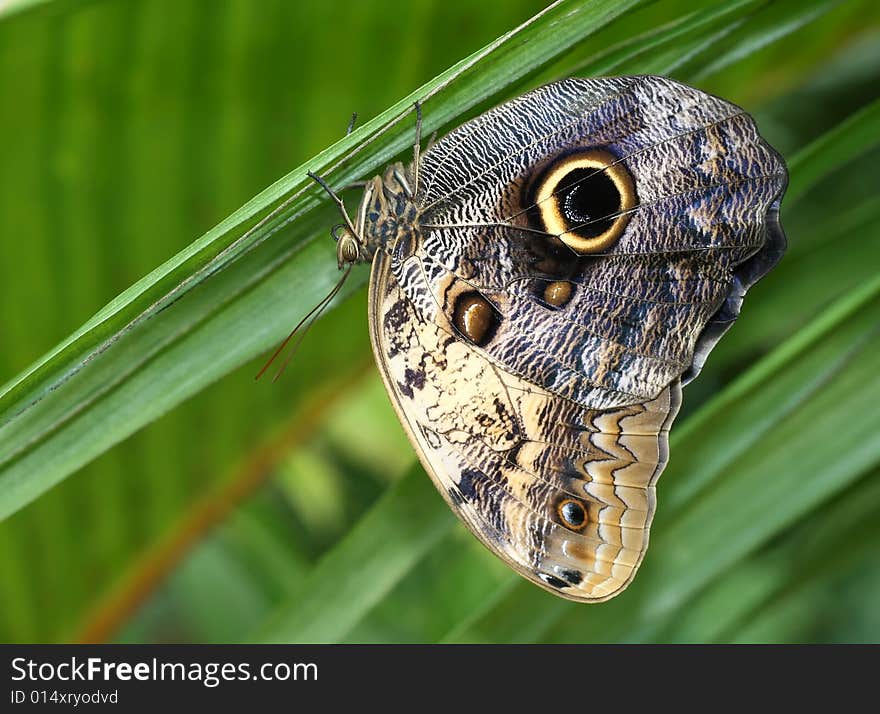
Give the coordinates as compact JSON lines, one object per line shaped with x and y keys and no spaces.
{"x":544,"y":280}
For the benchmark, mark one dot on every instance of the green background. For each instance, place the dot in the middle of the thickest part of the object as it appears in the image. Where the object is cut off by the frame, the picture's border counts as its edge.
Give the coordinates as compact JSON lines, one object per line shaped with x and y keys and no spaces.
{"x":295,"y":511}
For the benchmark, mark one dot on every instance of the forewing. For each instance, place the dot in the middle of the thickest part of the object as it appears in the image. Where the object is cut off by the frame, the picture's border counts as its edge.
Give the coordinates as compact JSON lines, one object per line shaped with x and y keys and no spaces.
{"x":645,"y":309}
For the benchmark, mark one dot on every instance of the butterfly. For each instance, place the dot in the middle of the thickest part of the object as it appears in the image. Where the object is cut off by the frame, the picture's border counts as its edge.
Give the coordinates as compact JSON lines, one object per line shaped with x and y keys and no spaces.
{"x":545,"y":278}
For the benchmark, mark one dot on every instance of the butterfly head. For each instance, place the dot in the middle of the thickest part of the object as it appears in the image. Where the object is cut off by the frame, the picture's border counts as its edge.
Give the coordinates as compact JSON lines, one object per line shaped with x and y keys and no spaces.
{"x":348,"y":245}
{"x":351,"y":236}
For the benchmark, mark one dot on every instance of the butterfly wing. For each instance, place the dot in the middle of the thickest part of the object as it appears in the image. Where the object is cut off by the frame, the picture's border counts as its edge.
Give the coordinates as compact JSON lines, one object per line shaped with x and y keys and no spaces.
{"x":578,"y":252}
{"x":564,"y":494}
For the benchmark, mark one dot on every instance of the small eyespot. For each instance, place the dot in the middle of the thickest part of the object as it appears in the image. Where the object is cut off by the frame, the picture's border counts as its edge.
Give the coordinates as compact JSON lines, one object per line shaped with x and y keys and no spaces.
{"x":553,"y":581}
{"x":558,"y":293}
{"x":572,"y":576}
{"x":475,"y":318}
{"x":572,"y":514}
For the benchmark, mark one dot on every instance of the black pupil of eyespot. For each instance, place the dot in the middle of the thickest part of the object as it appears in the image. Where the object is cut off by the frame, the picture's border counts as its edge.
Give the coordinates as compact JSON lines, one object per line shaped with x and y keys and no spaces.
{"x":573,"y":513}
{"x":588,"y":200}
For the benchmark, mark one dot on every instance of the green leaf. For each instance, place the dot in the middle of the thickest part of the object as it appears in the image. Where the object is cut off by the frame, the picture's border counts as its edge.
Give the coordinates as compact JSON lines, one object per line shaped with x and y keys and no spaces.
{"x":773,"y":22}
{"x":851,"y":139}
{"x":365,"y":565}
{"x":832,"y":541}
{"x":668,"y":49}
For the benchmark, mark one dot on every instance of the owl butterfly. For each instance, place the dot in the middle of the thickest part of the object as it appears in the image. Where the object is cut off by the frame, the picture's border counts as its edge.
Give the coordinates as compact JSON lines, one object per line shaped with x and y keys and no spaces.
{"x":545,"y":278}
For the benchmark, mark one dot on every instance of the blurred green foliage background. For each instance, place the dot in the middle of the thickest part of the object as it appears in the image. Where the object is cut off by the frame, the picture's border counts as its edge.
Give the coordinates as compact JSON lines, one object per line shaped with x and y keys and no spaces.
{"x":295,"y":511}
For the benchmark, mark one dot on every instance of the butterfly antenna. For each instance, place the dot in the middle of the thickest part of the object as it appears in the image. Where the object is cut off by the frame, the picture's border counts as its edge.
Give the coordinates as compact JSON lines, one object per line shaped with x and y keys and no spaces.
{"x":316,"y":311}
{"x":308,"y":321}
{"x":315,"y":314}
{"x":333,"y":195}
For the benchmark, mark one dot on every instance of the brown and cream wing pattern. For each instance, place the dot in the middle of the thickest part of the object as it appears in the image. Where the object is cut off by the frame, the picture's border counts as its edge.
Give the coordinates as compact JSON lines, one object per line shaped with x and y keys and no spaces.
{"x":563,"y":493}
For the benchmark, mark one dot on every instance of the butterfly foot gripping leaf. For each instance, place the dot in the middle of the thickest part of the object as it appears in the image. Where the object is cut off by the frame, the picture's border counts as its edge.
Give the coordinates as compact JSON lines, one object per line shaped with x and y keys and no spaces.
{"x":544,"y":281}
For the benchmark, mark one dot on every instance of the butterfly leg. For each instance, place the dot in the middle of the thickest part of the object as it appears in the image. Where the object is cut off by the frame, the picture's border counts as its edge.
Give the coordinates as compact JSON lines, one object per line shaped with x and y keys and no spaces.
{"x":353,"y":184}
{"x":351,"y":123}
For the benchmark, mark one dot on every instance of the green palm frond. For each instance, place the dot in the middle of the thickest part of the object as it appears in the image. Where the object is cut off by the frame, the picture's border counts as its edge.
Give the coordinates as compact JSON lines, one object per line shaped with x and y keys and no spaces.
{"x":204,"y":507}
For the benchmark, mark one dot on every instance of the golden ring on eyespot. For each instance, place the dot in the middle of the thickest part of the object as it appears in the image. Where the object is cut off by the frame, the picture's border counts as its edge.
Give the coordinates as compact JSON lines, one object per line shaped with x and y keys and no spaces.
{"x":573,"y":514}
{"x":549,"y":201}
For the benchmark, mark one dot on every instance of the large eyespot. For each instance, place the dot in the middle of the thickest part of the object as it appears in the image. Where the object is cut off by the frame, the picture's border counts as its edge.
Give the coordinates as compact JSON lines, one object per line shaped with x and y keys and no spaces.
{"x":584,"y":199}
